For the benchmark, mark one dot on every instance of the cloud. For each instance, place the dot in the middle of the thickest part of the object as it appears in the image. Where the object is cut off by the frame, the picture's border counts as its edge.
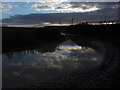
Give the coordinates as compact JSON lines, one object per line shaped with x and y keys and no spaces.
{"x":77,"y":8}
{"x":92,"y":12}
{"x":68,"y":7}
{"x":39,"y":7}
{"x":6,"y":7}
{"x":5,"y":10}
{"x":61,"y":0}
{"x":52,"y":1}
{"x":89,"y":5}
{"x":47,"y":5}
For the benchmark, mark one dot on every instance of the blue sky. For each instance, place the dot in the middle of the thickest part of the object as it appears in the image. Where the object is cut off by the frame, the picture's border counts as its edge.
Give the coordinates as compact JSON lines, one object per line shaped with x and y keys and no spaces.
{"x":17,"y":8}
{"x":18,"y":13}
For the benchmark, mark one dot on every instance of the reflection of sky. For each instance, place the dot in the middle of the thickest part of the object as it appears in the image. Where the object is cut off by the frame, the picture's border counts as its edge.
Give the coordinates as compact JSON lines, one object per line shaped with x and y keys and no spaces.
{"x":33,"y":65}
{"x":61,"y":56}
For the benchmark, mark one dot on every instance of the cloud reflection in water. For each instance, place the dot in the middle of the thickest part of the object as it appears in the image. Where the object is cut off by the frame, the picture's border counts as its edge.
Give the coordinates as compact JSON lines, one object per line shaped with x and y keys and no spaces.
{"x":33,"y":65}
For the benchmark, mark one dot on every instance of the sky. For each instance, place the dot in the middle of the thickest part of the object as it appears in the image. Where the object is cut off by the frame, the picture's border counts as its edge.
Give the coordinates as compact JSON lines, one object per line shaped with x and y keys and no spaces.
{"x":27,"y":13}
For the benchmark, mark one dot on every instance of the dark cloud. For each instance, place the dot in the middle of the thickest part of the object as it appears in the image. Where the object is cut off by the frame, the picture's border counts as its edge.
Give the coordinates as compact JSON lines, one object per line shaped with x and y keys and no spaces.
{"x":59,"y":7}
{"x":44,"y":7}
{"x":87,"y":5}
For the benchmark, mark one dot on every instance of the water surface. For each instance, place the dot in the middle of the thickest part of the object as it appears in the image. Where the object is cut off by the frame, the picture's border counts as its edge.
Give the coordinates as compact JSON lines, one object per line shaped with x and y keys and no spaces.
{"x":51,"y":63}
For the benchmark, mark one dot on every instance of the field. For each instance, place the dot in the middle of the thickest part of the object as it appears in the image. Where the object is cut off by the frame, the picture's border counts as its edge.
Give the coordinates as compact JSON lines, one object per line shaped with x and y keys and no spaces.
{"x":13,"y":36}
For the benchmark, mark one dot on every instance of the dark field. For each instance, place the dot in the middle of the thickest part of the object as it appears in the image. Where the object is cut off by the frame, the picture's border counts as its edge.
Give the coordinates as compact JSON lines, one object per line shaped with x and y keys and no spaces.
{"x":103,"y":32}
{"x":27,"y":36}
{"x":12,"y":35}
